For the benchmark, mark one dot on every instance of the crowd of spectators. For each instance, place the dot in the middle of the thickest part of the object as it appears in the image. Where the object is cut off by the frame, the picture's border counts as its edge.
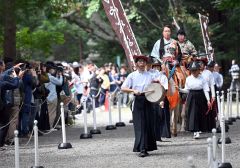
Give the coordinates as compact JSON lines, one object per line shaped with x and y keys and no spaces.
{"x":34,"y":90}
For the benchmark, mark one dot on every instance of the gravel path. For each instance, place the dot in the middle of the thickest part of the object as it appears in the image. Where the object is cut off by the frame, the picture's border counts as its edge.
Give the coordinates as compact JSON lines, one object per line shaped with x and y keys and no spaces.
{"x":114,"y":149}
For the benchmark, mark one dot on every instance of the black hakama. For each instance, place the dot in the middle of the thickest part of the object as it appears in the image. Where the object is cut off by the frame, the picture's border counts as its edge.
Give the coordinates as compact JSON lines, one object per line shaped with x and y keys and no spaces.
{"x":165,"y":124}
{"x":143,"y":121}
{"x":196,"y":111}
{"x":211,"y":115}
{"x":158,"y":119}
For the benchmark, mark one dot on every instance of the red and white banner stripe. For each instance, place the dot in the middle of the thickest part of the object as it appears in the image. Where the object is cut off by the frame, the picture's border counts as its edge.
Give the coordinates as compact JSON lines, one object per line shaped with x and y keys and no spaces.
{"x":205,"y":33}
{"x":117,"y":17}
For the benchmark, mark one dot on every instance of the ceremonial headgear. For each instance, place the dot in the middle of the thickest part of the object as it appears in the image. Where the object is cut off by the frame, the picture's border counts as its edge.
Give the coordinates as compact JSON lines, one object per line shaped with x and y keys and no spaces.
{"x":211,"y":64}
{"x":194,"y":66}
{"x":202,"y":59}
{"x":137,"y":57}
{"x":155,"y":61}
{"x":181,"y":32}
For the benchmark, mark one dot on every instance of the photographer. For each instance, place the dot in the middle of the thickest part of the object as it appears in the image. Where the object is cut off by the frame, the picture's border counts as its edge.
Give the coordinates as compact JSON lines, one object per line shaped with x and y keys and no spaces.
{"x":63,"y":93}
{"x":8,"y":81}
{"x":55,"y":79}
{"x":27,"y":113}
{"x":40,"y":95}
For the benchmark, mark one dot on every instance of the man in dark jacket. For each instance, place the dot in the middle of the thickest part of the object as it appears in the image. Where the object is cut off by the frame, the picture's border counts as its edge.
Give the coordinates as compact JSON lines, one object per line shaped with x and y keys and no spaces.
{"x":8,"y":81}
{"x":26,"y":122}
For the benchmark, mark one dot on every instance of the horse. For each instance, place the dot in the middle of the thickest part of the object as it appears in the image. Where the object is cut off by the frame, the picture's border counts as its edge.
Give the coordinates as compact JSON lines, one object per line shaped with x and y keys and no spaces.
{"x":177,"y":80}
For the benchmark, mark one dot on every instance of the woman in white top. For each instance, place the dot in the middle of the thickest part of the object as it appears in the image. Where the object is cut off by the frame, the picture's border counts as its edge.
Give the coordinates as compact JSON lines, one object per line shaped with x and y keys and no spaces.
{"x":78,"y":80}
{"x":198,"y":101}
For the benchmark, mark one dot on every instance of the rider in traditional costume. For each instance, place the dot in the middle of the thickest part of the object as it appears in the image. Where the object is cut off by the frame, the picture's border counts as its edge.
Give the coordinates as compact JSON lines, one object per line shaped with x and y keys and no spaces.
{"x":166,"y":48}
{"x":187,"y":48}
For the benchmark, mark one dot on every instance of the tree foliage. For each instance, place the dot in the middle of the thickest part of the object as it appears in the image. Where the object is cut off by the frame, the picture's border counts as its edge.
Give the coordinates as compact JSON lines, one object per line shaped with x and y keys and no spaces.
{"x":63,"y":28}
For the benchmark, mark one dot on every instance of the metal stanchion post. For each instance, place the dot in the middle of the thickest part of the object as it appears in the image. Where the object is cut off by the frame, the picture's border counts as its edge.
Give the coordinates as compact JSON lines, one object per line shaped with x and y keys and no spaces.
{"x":35,"y":128}
{"x":120,"y":123}
{"x":214,"y":146}
{"x":94,"y":130}
{"x":227,"y":140}
{"x":209,"y":151}
{"x":85,"y":135}
{"x":231,"y":118}
{"x":237,"y":103}
{"x":16,"y":143}
{"x":222,"y":111}
{"x":224,"y":164}
{"x":229,"y":122}
{"x":64,"y":144}
{"x":110,"y":126}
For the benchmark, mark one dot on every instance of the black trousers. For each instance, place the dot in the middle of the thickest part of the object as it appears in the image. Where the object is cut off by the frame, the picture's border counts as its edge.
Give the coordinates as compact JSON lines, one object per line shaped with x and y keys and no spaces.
{"x":143,"y":122}
{"x":4,"y":119}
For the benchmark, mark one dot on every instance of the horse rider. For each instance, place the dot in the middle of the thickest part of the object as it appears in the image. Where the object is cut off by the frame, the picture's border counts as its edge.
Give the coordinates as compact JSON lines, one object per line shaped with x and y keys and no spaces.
{"x":187,"y":48}
{"x":168,"y":51}
{"x":166,"y":48}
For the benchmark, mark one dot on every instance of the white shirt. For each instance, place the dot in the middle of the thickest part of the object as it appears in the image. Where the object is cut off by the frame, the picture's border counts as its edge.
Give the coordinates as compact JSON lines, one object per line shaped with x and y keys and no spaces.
{"x":51,"y":86}
{"x":77,"y":80}
{"x":208,"y":76}
{"x":161,"y":77}
{"x":193,"y":83}
{"x":138,"y":80}
{"x":218,"y":78}
{"x":156,"y":47}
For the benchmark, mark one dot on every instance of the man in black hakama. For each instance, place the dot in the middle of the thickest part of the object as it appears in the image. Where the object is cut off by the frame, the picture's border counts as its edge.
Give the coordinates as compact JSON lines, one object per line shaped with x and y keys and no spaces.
{"x":143,"y":122}
{"x":143,"y":114}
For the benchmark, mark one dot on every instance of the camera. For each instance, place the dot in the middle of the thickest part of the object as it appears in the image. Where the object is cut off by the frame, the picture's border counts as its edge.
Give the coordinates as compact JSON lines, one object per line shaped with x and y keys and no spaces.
{"x":17,"y":70}
{"x":37,"y":69}
{"x":22,"y":67}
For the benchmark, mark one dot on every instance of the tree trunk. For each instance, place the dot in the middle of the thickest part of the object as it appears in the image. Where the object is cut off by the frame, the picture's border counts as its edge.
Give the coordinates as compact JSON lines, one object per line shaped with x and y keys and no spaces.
{"x":9,"y":42}
{"x":96,"y":25}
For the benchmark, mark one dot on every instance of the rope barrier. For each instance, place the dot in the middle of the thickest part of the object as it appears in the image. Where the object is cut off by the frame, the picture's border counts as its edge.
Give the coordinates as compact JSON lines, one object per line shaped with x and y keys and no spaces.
{"x":52,"y":129}
{"x":29,"y":139}
{"x":21,"y":106}
{"x":12,"y":118}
